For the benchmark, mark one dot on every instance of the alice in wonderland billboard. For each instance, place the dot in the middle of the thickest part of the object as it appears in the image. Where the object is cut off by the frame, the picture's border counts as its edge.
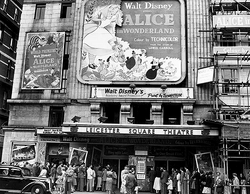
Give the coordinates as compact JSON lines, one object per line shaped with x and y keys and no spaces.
{"x":43,"y":60}
{"x":140,"y":41}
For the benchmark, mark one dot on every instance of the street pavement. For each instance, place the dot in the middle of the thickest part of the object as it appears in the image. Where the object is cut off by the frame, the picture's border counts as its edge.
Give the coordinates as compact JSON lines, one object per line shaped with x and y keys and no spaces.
{"x":100,"y":192}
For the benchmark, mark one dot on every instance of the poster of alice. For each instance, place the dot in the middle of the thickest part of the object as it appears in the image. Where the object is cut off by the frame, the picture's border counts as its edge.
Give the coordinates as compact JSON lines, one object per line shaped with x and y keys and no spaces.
{"x":43,"y":60}
{"x":133,"y":41}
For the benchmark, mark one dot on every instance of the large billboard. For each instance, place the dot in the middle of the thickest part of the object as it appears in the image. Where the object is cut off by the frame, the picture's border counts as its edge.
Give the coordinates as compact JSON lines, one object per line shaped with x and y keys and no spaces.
{"x":43,"y":60}
{"x":140,"y":41}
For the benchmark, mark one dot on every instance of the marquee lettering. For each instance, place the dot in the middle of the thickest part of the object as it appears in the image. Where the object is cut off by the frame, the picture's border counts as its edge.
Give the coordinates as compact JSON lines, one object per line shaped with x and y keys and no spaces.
{"x":149,"y":19}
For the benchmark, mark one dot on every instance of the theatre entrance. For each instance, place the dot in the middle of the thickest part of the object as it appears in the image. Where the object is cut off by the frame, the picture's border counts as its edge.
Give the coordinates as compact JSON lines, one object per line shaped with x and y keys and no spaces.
{"x":117,"y":165}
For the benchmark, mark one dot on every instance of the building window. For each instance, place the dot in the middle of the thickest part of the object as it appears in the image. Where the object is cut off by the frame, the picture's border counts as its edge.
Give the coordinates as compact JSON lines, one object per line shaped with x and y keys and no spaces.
{"x":65,"y":63}
{"x":229,"y":77}
{"x":40,"y":11}
{"x":171,"y":114}
{"x":8,"y":76}
{"x":16,"y":15}
{"x":112,"y":112}
{"x":141,"y":112}
{"x":228,"y":39}
{"x":1,"y":32}
{"x":5,"y":97}
{"x":5,"y":4}
{"x":11,"y":43}
{"x":66,"y":10}
{"x":56,"y":116}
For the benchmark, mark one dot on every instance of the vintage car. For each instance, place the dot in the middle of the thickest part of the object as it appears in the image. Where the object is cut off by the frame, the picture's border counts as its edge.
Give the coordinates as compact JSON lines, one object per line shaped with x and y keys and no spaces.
{"x":18,"y":180}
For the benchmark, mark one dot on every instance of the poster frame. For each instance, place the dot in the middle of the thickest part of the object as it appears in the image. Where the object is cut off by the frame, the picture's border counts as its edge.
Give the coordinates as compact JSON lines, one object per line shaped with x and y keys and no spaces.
{"x":98,"y":152}
{"x":198,"y":161}
{"x":78,"y":150}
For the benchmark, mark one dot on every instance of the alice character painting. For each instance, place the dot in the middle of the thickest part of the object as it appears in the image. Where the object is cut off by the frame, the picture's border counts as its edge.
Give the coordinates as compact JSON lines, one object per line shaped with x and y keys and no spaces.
{"x":99,"y":32}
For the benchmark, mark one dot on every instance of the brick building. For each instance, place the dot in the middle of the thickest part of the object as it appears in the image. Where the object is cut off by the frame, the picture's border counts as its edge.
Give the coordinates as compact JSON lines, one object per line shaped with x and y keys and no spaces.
{"x":125,"y":82}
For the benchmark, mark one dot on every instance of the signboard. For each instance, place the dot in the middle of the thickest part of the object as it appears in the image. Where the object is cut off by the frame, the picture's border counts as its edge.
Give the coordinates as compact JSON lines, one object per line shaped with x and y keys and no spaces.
{"x":205,"y":75}
{"x":43,"y":60}
{"x":22,"y":152}
{"x":232,"y":50}
{"x":204,"y":162}
{"x":144,"y":131}
{"x":50,"y":131}
{"x":140,"y":41}
{"x":231,"y":21}
{"x":119,"y":92}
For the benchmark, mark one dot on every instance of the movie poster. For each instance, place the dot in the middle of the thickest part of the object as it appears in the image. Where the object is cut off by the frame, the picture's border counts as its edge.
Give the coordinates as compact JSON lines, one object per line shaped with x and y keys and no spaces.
{"x":204,"y":162}
{"x":133,"y":41}
{"x":43,"y":60}
{"x":78,"y":156}
{"x":22,"y":153}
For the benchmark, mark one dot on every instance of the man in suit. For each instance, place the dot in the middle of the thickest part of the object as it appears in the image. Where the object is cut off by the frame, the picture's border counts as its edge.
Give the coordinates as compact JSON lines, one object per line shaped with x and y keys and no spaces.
{"x":151,"y":177}
{"x":164,"y":180}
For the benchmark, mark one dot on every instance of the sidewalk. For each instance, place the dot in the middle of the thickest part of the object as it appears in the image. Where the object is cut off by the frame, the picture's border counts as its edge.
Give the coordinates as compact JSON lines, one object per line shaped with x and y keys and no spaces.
{"x":100,"y":192}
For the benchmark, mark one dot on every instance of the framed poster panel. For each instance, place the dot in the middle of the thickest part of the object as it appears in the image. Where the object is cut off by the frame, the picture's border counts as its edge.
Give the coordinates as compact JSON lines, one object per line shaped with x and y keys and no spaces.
{"x":139,"y":41}
{"x":43,"y":60}
{"x":96,"y":156}
{"x":78,"y":156}
{"x":204,"y":162}
{"x":23,"y":152}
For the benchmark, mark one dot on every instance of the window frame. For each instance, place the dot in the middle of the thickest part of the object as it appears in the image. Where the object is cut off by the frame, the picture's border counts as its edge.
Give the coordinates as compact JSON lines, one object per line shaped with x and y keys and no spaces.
{"x":66,"y":9}
{"x":16,"y":15}
{"x":40,"y":11}
{"x":5,"y":5}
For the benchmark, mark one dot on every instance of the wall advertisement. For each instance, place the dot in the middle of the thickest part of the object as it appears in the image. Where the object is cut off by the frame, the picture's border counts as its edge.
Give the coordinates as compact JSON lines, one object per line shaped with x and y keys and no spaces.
{"x":43,"y":60}
{"x":140,"y":41}
{"x":24,"y":152}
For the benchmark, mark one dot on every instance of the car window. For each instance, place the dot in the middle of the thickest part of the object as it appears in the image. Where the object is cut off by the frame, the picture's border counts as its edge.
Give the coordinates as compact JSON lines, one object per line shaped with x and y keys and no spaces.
{"x":15,"y":172}
{"x":26,"y":172}
{"x":4,"y":171}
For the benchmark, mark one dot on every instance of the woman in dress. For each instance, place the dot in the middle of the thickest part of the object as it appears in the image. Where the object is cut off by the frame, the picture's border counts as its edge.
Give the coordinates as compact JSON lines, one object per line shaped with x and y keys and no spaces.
{"x":99,"y":179}
{"x":157,"y":182}
{"x":123,"y":189}
{"x":109,"y":181}
{"x":178,"y":178}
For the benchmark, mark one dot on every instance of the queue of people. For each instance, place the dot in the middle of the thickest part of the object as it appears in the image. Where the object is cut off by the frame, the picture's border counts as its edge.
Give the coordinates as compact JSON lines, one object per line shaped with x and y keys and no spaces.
{"x":181,"y":181}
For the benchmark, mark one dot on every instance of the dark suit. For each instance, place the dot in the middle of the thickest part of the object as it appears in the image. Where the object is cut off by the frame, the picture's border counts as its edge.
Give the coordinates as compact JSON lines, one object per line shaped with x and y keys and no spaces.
{"x":164,"y":180}
{"x":151,"y":176}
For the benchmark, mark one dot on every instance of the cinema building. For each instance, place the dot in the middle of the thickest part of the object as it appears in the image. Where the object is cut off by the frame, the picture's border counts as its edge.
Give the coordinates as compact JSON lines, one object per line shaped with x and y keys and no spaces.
{"x":115,"y":82}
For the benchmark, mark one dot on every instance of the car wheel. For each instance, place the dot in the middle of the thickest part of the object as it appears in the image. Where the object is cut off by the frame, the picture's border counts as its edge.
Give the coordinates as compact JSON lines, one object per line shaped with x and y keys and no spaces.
{"x":37,"y":189}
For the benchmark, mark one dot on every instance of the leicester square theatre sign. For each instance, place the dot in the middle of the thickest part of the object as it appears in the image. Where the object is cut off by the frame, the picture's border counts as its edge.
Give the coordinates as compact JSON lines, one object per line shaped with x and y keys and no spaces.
{"x":140,"y":41}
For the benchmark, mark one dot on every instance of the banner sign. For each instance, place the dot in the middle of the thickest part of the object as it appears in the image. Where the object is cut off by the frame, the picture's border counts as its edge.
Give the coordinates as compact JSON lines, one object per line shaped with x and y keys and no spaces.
{"x":108,"y":92}
{"x":49,"y":131}
{"x":205,"y":75}
{"x":133,"y":41}
{"x":142,"y":131}
{"x":43,"y":60}
{"x":231,"y":21}
{"x":232,"y":50}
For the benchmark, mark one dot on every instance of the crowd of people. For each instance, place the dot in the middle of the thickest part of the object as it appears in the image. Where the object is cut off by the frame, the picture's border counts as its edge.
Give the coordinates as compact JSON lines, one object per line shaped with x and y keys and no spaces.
{"x":181,"y":181}
{"x":66,"y":179}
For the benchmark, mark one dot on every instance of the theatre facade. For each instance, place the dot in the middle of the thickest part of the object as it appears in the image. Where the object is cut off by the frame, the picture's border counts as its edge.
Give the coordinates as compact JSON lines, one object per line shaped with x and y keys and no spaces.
{"x":112,"y":82}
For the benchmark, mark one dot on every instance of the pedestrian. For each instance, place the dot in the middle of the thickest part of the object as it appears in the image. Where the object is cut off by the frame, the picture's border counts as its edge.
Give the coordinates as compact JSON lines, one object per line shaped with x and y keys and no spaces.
{"x":178,"y":178}
{"x":81,"y":177}
{"x":164,"y":180}
{"x":186,"y":180}
{"x":43,"y":172}
{"x":130,"y":183}
{"x":114,"y":181}
{"x":99,"y":179}
{"x":208,"y":183}
{"x":248,"y":182}
{"x":53,"y":175}
{"x":104,"y":178}
{"x":219,"y":184}
{"x":90,"y":177}
{"x":235,"y":184}
{"x":69,"y":180}
{"x":157,"y":181}
{"x":123,"y":189}
{"x":151,"y":177}
{"x":109,"y":180}
{"x":170,"y":185}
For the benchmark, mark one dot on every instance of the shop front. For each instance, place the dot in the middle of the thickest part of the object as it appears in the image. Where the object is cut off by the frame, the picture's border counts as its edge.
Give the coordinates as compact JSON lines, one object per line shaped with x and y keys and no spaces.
{"x":138,"y":146}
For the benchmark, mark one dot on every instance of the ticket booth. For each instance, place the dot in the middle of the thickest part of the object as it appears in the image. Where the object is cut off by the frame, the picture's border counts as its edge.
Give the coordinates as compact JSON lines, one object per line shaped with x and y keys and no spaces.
{"x":142,"y":165}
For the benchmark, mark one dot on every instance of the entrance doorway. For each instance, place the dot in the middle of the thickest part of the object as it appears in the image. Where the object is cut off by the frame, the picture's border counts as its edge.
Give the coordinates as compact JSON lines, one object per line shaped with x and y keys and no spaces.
{"x":118,"y":166}
{"x":175,"y":165}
